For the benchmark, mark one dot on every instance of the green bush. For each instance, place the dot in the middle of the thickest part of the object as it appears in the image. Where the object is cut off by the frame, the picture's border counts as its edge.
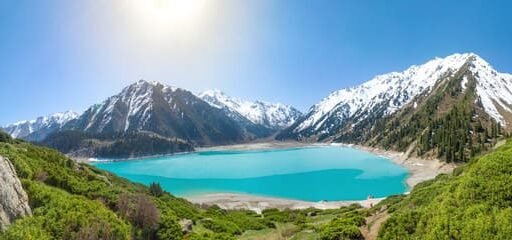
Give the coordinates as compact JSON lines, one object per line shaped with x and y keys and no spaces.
{"x":342,"y":229}
{"x":221,"y":226}
{"x":211,"y":236}
{"x":30,"y":228}
{"x":169,"y":227}
{"x":60,"y":215}
{"x":474,"y":203}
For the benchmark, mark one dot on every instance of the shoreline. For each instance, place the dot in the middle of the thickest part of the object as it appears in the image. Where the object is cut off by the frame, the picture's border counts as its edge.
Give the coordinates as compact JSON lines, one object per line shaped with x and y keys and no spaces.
{"x":234,"y":147}
{"x":96,"y":160}
{"x":238,"y":201}
{"x":259,"y":146}
{"x":419,"y":169}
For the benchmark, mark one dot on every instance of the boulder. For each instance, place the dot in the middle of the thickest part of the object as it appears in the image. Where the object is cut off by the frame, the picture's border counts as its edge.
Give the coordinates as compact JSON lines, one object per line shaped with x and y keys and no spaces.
{"x":13,"y":199}
{"x":186,"y":225}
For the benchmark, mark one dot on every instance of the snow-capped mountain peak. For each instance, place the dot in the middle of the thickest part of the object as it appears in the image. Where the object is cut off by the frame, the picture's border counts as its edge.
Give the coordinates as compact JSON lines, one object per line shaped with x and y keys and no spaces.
{"x":41,"y":124}
{"x":166,"y":111}
{"x":138,"y":101}
{"x":217,"y":98}
{"x":399,"y":87}
{"x":494,"y":89}
{"x":385,"y":94}
{"x":62,"y":117}
{"x":271,"y":115}
{"x":149,"y":106}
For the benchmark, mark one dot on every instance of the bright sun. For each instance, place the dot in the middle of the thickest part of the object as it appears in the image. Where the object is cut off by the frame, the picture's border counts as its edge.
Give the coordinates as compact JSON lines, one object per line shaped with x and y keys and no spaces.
{"x":169,"y":14}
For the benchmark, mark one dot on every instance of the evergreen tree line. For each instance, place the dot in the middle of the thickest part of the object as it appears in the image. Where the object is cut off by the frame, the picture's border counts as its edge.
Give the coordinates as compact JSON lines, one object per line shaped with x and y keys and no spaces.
{"x":116,"y":145}
{"x":454,"y":136}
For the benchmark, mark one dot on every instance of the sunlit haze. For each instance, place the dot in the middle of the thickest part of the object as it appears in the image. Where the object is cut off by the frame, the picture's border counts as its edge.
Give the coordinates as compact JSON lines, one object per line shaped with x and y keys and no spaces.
{"x":160,"y":17}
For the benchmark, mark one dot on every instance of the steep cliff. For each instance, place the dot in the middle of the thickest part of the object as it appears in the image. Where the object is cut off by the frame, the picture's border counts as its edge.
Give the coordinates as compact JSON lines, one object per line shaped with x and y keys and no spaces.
{"x":13,"y":199}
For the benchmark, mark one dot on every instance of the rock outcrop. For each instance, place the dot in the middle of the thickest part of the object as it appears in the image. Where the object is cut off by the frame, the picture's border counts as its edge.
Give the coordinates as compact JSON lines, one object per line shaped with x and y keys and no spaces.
{"x":13,"y":199}
{"x":186,"y":225}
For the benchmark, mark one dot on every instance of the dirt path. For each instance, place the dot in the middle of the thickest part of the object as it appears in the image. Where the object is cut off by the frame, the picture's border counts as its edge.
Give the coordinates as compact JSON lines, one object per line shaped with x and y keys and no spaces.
{"x":373,"y":223}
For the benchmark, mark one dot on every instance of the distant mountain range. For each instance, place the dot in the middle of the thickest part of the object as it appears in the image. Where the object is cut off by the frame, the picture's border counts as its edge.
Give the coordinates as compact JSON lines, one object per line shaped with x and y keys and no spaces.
{"x":209,"y":118}
{"x":169,"y":112}
{"x":450,"y":107}
{"x":38,"y":129}
{"x":270,"y":115}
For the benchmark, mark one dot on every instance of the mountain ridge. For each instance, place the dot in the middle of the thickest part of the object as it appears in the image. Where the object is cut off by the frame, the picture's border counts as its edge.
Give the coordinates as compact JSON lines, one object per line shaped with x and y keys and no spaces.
{"x":271,"y":115}
{"x":393,"y":109}
{"x":148,"y":109}
{"x":40,"y":127}
{"x":164,"y":110}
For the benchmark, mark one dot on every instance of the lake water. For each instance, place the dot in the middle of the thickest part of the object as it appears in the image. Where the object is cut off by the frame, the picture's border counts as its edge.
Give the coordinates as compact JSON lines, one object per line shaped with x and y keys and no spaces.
{"x":311,"y":173}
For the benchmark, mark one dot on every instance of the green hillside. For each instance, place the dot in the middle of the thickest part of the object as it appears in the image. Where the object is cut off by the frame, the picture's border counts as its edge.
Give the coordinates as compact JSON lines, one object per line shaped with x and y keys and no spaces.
{"x":473,"y":203}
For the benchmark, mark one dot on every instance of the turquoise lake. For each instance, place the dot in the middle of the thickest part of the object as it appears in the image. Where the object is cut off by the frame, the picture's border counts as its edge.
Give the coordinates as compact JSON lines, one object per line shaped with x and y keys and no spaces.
{"x":310,"y":174}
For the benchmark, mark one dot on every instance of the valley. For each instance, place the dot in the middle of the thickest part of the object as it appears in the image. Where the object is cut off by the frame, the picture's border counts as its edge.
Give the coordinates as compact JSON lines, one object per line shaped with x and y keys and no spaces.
{"x":255,"y":120}
{"x":236,"y":169}
{"x":419,"y":111}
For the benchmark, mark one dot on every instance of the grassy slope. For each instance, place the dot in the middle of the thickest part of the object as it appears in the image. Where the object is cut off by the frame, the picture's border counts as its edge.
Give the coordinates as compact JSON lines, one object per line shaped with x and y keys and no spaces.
{"x":473,"y":203}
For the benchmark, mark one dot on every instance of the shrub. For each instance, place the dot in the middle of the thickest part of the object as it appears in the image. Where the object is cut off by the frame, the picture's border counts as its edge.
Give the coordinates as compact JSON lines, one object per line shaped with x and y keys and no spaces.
{"x":59,"y":215}
{"x":155,"y":189}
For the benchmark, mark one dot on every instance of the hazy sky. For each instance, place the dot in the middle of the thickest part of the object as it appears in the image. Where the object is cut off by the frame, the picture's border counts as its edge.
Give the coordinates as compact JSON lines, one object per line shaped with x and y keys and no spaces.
{"x":58,"y":55}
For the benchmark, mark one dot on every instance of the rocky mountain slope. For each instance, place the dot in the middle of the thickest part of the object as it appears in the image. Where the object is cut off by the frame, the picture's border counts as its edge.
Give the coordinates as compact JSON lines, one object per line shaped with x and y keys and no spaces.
{"x":13,"y":199}
{"x":419,"y":106}
{"x":166,"y":111}
{"x":270,"y":115}
{"x":152,"y":108}
{"x":38,"y":129}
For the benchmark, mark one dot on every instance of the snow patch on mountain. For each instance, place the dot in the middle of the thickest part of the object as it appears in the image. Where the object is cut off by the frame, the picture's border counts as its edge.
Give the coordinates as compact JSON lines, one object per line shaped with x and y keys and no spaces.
{"x":24,"y":128}
{"x":494,"y":89}
{"x":137,"y":99}
{"x":394,"y":90}
{"x":272,"y":115}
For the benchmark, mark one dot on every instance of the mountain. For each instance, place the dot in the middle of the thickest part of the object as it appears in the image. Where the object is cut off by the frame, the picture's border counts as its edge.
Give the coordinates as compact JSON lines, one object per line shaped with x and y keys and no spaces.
{"x":414,"y":109}
{"x":148,"y":118}
{"x":167,"y":111}
{"x":38,"y":129}
{"x":270,"y":115}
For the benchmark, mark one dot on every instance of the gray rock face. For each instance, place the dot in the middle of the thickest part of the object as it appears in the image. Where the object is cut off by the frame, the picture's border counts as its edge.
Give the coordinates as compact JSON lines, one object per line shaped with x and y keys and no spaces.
{"x":13,"y":199}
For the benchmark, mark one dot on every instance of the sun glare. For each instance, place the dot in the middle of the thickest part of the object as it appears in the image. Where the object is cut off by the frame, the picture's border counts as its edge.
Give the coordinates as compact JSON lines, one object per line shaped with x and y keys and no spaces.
{"x":169,"y":14}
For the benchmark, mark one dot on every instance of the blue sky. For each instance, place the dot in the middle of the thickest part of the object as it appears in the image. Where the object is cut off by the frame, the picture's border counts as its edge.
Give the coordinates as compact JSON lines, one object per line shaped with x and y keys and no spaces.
{"x":57,"y":55}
